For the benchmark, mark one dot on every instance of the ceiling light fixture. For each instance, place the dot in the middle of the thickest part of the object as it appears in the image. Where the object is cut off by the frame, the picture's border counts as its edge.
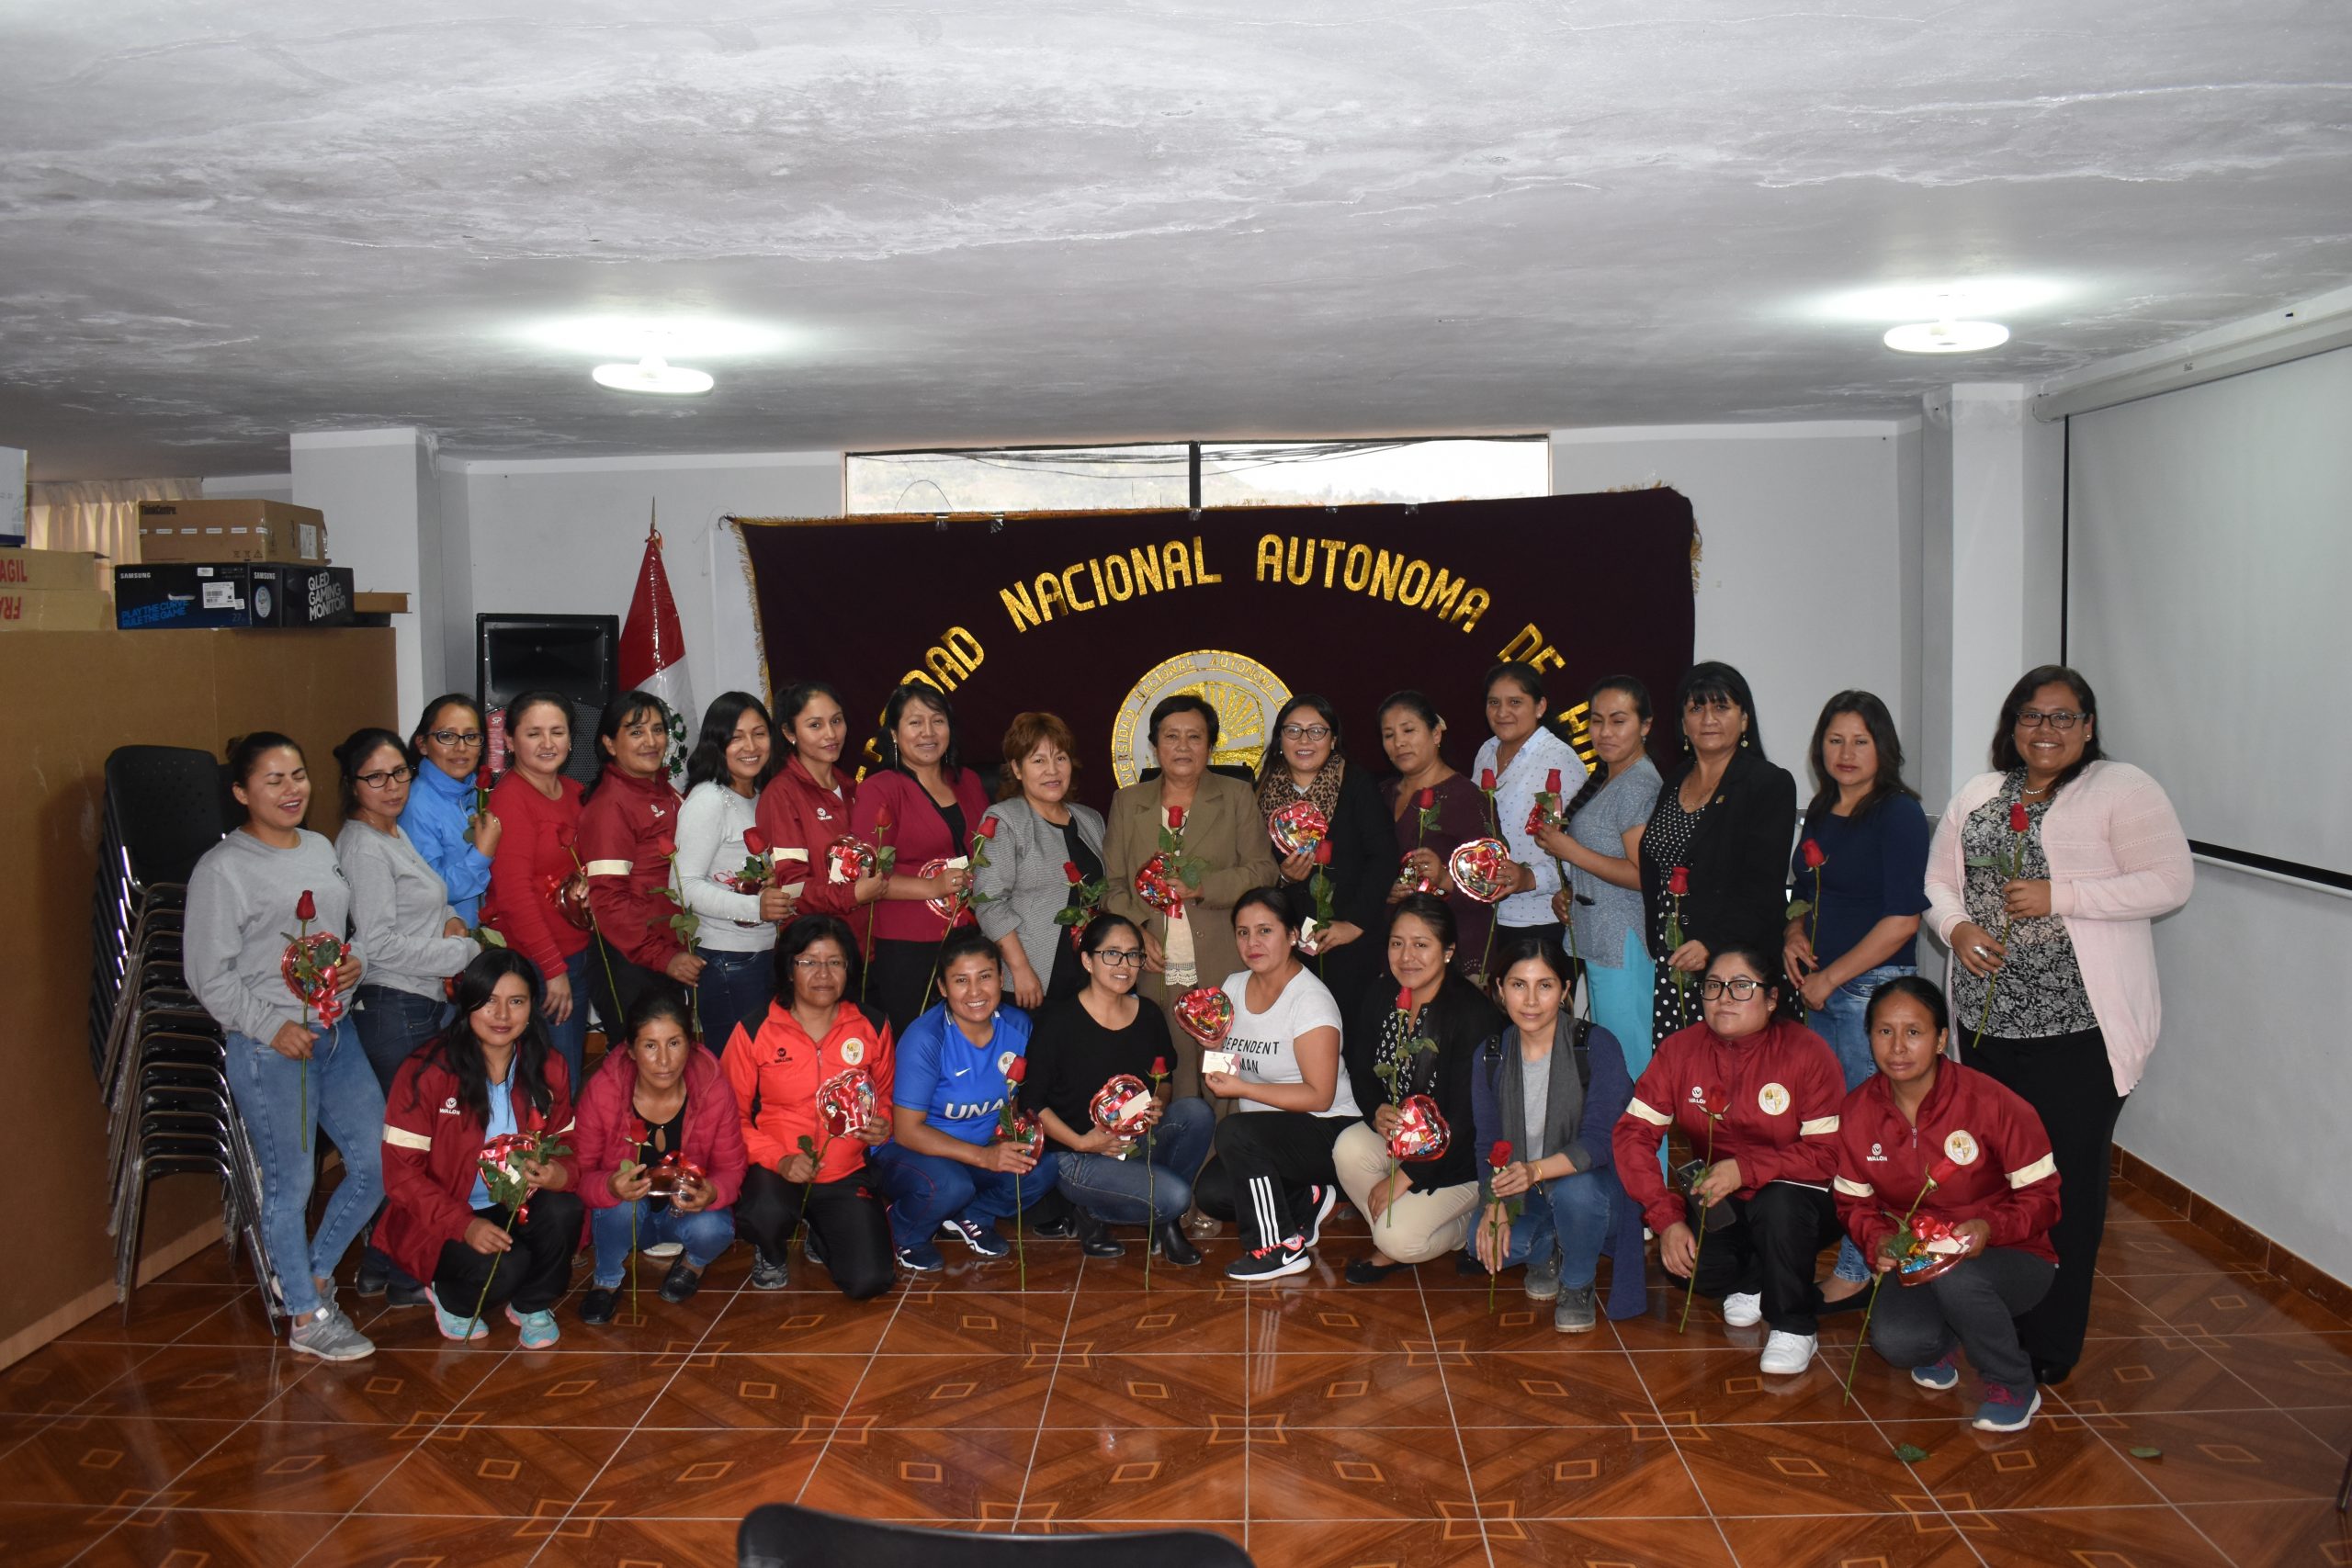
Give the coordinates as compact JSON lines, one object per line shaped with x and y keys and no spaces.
{"x":1947,"y":337}
{"x":686,"y":337}
{"x":654,"y":374}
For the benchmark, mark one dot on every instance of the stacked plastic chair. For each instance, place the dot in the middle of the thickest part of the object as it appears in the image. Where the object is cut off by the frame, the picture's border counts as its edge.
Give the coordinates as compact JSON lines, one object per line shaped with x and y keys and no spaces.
{"x":162,"y":1062}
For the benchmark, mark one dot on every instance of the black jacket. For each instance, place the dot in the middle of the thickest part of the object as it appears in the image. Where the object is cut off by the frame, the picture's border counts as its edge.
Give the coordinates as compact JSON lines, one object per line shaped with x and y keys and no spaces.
{"x":1461,"y":1022}
{"x":1739,"y":859}
{"x":1363,"y":865}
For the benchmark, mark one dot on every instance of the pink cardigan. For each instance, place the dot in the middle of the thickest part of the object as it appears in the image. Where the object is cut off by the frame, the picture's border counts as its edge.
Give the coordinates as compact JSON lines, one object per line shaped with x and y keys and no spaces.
{"x":2118,"y":859}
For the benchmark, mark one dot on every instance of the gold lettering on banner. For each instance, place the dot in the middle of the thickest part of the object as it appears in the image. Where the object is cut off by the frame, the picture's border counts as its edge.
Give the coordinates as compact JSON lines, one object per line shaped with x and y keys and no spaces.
{"x":948,"y":663}
{"x":1070,"y":590}
{"x":1147,"y":570}
{"x":1408,"y":589}
{"x":1383,"y":574}
{"x":1331,"y":549}
{"x":1296,"y":572}
{"x":1270,"y":557}
{"x":1526,"y":646}
{"x":1094,"y":570}
{"x":1277,"y":558}
{"x":1357,"y":574}
{"x":1179,"y":564}
{"x":1050,"y":595}
{"x":1201,"y":572}
{"x":1117,"y":579}
{"x":1018,"y":605}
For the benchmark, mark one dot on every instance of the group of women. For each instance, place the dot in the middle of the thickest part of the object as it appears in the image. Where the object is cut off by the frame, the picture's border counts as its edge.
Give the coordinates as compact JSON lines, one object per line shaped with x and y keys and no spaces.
{"x":914,"y":1003}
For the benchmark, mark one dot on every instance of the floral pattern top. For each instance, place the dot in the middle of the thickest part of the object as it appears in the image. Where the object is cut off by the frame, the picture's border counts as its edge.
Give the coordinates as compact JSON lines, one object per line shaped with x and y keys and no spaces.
{"x":2041,"y":993}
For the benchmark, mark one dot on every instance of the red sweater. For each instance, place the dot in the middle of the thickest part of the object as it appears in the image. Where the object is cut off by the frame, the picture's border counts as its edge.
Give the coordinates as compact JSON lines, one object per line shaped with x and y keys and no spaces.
{"x":920,"y":831}
{"x":431,"y":1146}
{"x":713,"y":1139}
{"x":1783,"y":1087}
{"x":528,"y":869}
{"x":621,"y":828}
{"x":800,"y":820}
{"x":1985,"y":1145}
{"x":778,"y":1072}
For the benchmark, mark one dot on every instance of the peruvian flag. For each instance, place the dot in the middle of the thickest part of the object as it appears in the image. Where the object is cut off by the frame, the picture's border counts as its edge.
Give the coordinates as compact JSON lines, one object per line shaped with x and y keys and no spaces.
{"x":653,"y":649}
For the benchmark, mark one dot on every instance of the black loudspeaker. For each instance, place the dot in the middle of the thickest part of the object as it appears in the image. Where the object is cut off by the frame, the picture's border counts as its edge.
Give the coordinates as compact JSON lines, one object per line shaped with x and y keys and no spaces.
{"x":576,"y":655}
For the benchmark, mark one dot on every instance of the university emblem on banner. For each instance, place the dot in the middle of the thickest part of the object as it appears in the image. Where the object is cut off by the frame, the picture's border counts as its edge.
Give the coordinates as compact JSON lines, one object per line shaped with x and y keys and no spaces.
{"x":1245,"y":694}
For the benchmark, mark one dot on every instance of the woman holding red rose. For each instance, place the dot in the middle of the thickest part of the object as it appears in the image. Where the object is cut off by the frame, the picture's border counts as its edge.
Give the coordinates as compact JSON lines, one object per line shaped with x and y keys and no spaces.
{"x":934,"y":804}
{"x":628,"y":827}
{"x":2044,"y":879}
{"x":1307,"y":760}
{"x":805,"y":809}
{"x":526,"y":903}
{"x":1048,"y":852}
{"x":723,"y":867}
{"x":1521,"y":760}
{"x":1413,"y":734}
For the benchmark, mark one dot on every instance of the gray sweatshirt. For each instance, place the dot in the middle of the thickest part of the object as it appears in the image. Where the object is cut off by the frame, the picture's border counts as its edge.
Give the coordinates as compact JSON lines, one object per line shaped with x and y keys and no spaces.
{"x":240,"y":916}
{"x":398,"y":909}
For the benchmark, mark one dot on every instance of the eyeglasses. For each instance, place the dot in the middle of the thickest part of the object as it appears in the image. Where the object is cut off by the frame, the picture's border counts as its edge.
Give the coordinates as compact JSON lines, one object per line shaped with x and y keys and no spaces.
{"x":1119,"y":957}
{"x":386,"y":781}
{"x":821,"y":966}
{"x":1742,"y":989}
{"x":1306,"y":732}
{"x":456,"y":737}
{"x":2059,"y":720}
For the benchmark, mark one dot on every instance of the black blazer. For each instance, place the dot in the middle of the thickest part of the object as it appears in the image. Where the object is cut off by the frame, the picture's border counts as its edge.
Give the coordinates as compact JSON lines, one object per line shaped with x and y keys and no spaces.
{"x":1461,"y":1022}
{"x":1363,"y":865}
{"x":1738,"y":860}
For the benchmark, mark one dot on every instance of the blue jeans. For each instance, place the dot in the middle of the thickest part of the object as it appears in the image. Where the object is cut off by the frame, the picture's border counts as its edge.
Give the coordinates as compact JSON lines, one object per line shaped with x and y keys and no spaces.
{"x":1568,"y":1212}
{"x":346,"y":1103}
{"x":392,"y":1024}
{"x":570,"y":1038}
{"x":927,"y":1191}
{"x":736,"y":987}
{"x":1841,"y":1022}
{"x":703,"y":1236}
{"x":1621,"y":1004}
{"x":1152,"y":1186}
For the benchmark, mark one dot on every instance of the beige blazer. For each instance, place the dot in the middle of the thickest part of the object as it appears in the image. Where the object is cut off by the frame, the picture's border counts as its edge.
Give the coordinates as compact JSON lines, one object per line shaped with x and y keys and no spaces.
{"x":1225,"y":828}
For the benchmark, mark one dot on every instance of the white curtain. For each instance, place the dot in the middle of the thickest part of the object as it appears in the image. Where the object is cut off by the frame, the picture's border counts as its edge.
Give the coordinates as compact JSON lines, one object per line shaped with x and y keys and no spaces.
{"x":98,"y":514}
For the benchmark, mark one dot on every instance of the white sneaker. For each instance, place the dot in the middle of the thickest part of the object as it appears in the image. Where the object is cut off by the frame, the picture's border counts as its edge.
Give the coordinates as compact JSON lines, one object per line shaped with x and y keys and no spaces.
{"x":664,"y":1250}
{"x":1786,"y":1355}
{"x":1743,"y":1311}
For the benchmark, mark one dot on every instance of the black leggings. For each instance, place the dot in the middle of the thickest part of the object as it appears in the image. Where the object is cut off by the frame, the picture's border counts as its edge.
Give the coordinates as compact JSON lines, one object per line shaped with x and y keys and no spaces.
{"x":847,"y":1220}
{"x":1769,"y":1249}
{"x":2071,"y":1085}
{"x":896,"y":979}
{"x":1265,"y":1162}
{"x":631,"y":981}
{"x":531,"y":1277}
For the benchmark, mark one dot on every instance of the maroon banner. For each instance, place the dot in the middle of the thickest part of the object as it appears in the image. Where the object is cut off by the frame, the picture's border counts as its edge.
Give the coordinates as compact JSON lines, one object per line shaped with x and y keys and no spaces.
{"x":1098,"y":616}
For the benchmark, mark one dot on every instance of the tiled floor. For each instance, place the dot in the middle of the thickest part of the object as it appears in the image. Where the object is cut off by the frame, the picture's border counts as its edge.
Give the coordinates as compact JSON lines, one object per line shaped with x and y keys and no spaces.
{"x":1320,"y":1425}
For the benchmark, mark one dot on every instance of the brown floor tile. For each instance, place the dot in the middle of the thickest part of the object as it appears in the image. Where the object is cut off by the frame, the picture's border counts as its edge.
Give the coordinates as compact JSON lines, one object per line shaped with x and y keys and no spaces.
{"x":491,"y":1470}
{"x":1845,"y":1467}
{"x":373,"y":1542}
{"x":2091,"y":1538}
{"x":972,"y":1323}
{"x":293,"y":1467}
{"x":1610,"y":1543}
{"x":394,"y":1388}
{"x":1623,"y":1473}
{"x":1442,"y":1545}
{"x":1125,"y":1276}
{"x":1142,"y":1476}
{"x":544,"y":1387}
{"x":1512,"y":1389}
{"x":1378,"y":1392}
{"x":2172,"y":1247}
{"x":1723,"y":1384}
{"x":1866,"y":1541}
{"x":2226,"y":1303}
{"x":159,"y":1313}
{"x":1194,"y":1323}
{"x":2275,"y":1535}
{"x":1514,"y":1324}
{"x":804,"y":1323}
{"x":2229,"y":1456}
{"x":1283,"y":1322}
{"x":1654,"y":1329}
{"x":2051,"y":1464}
{"x":754,"y":1392}
{"x":2295,"y":1372}
{"x":645,"y":1543}
{"x":1298,"y":1473}
{"x":697,"y":1474}
{"x":958,"y":1475}
{"x":1054,"y":1267}
{"x":1004,"y":1392}
{"x":100,"y":1461}
{"x":59,"y":1377}
{"x":209,"y":1381}
{"x":2120,"y":1375}
{"x":1090,"y":1390}
{"x":183,"y":1538}
{"x":37,"y":1536}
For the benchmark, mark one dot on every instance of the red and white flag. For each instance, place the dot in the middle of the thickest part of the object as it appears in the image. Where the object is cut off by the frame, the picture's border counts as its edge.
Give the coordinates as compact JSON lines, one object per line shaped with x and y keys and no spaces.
{"x":653,"y":652}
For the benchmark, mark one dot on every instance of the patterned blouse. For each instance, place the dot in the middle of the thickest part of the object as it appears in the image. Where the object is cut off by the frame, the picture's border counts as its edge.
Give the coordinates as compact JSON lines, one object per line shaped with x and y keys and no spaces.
{"x":2041,"y":993}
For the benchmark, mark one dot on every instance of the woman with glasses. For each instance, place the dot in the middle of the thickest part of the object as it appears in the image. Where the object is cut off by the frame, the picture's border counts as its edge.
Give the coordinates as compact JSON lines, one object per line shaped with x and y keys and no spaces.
{"x":933,"y":804}
{"x":532,"y":901}
{"x":814,"y":1033}
{"x":2043,"y":880}
{"x":1757,"y":1097}
{"x":1047,"y":849}
{"x":1720,"y":832}
{"x":439,"y":818}
{"x":1077,"y":1047}
{"x":1523,"y":754}
{"x":1306,"y":760}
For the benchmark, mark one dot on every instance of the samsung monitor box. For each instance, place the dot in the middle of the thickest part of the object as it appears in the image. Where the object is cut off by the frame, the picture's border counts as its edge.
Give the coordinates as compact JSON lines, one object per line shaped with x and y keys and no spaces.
{"x":231,"y":594}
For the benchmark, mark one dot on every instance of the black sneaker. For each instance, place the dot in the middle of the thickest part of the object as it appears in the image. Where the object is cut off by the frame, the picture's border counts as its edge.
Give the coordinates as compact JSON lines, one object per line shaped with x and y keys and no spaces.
{"x":812,"y":1251}
{"x":600,"y":1306}
{"x":1270,"y":1262}
{"x":921,"y":1257}
{"x":1061,"y":1227}
{"x":404,"y":1293}
{"x":375,"y":1274}
{"x":1324,"y":1200}
{"x":769,"y":1273}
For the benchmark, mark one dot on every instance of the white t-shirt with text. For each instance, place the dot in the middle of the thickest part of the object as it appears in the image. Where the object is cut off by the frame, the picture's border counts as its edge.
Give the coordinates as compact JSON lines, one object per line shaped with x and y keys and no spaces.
{"x":1265,"y":1044}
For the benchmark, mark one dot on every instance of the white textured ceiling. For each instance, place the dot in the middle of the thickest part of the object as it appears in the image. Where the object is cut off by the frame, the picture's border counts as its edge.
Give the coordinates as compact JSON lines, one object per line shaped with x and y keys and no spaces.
{"x":1018,"y":220}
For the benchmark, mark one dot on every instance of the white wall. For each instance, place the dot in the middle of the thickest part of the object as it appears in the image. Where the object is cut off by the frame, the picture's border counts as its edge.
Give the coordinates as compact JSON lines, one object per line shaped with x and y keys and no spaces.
{"x":1809,"y":578}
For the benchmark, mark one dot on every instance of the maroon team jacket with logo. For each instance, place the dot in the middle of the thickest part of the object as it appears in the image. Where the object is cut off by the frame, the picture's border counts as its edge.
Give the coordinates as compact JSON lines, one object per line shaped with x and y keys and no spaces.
{"x":1982,"y":1142}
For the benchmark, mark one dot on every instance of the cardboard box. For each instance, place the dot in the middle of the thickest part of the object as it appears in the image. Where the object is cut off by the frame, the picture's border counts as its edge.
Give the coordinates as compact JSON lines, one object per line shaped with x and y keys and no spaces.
{"x":231,"y":594}
{"x":47,"y":568}
{"x":54,"y":610}
{"x":231,"y":530}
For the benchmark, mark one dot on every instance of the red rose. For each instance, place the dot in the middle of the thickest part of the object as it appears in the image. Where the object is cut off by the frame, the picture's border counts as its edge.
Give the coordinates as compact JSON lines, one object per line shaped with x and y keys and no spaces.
{"x":1018,"y":1070}
{"x":565,"y":836}
{"x":666,"y":845}
{"x":1159,"y":1067}
{"x":481,"y":776}
{"x":1404,"y":998}
{"x":882,"y":821}
{"x":1813,"y":857}
{"x":1323,"y":851}
{"x":1487,"y":780}
{"x":1176,"y":818}
{"x":1678,"y":881}
{"x":2018,"y":821}
{"x":988,"y":825}
{"x":1070,"y":869}
{"x":1499,"y":1155}
{"x":754,"y":841}
{"x":1427,"y":800}
{"x":1716,"y":1101}
{"x":1552,"y":781}
{"x":306,"y":907}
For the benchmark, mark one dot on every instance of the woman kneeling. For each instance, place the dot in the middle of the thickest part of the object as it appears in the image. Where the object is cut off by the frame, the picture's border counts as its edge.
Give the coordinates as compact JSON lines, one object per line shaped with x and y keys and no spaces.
{"x":491,"y":1073}
{"x":1944,"y":1143}
{"x":661,"y":1155}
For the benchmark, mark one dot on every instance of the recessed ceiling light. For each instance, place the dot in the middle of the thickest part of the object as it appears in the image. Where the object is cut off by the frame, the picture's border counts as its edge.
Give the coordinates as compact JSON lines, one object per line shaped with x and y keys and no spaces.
{"x":653,"y":374}
{"x":1947,"y":337}
{"x":670,"y":336}
{"x":1954,"y":300}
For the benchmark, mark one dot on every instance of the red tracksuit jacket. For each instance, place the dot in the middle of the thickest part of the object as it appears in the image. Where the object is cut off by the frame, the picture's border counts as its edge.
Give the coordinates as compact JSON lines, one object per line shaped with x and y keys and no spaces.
{"x":776,"y":1073}
{"x":620,"y":832}
{"x":713,"y":1137}
{"x":1780,"y":1091}
{"x":1985,"y":1146}
{"x":800,"y":820}
{"x":431,"y":1144}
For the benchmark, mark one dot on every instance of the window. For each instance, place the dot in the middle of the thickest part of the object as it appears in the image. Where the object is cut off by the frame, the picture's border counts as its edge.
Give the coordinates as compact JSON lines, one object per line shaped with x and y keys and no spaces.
{"x":1222,"y":474}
